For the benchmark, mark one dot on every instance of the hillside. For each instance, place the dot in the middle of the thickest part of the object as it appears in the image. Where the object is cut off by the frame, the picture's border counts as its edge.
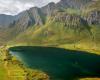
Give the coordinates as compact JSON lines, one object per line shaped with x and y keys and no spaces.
{"x":39,"y":17}
{"x":59,"y":27}
{"x":67,"y":22}
{"x":67,"y":26}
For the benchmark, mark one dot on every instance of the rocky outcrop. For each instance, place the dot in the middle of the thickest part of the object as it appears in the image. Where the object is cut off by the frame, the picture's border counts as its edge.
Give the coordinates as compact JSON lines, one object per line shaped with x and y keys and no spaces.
{"x":23,"y":22}
{"x":49,"y":9}
{"x":35,"y":14}
{"x":71,"y":21}
{"x":93,"y":18}
{"x":28,"y":18}
{"x":92,"y":12}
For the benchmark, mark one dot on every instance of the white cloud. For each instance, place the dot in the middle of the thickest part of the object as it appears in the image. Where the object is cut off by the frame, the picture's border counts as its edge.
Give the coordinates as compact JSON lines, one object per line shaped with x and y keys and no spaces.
{"x":13,"y":7}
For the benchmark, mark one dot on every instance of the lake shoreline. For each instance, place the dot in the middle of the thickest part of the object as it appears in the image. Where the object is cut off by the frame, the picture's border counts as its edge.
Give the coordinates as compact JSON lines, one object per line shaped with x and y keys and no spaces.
{"x":69,"y":49}
{"x":24,"y":73}
{"x":50,"y":50}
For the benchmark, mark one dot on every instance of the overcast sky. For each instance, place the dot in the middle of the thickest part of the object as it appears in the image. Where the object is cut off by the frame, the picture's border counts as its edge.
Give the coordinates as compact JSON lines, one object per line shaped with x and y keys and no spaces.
{"x":13,"y":7}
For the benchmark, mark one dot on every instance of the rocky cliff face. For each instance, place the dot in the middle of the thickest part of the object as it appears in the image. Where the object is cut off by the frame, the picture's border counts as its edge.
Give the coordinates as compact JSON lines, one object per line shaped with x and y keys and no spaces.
{"x":93,"y":18}
{"x":28,"y":18}
{"x":23,"y":22}
{"x":49,"y":9}
{"x":71,"y":21}
{"x":92,"y":14}
{"x":37,"y":16}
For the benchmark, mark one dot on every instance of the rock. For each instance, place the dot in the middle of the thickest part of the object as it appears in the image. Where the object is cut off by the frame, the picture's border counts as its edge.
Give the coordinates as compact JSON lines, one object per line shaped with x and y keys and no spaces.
{"x":93,"y":18}
{"x":71,"y":21}
{"x":49,"y":9}
{"x":35,"y":15}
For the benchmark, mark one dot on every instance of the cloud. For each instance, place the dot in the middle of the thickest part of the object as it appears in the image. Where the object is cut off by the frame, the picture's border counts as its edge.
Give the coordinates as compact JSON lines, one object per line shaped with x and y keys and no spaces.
{"x":13,"y":7}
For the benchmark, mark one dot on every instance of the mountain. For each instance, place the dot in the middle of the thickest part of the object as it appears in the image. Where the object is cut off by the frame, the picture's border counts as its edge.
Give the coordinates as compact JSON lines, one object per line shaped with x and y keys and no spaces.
{"x":78,"y":4}
{"x":92,"y":12}
{"x":66,"y":22}
{"x":5,"y":20}
{"x":37,"y":15}
{"x":59,"y":28}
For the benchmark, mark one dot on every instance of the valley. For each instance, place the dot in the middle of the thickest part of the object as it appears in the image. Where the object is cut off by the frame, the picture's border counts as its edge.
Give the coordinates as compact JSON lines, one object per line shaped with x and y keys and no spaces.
{"x":68,"y":24}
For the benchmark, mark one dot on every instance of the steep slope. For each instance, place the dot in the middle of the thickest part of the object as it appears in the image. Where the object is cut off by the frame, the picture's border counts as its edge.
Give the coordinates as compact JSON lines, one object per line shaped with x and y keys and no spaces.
{"x":65,"y":26}
{"x":67,"y":22}
{"x":59,"y":28}
{"x":38,"y":15}
{"x":91,"y":14}
{"x":11,"y":26}
{"x":30,"y":17}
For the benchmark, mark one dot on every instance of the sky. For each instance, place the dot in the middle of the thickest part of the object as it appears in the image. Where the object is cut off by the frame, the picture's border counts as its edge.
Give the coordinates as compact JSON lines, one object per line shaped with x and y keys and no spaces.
{"x":13,"y":7}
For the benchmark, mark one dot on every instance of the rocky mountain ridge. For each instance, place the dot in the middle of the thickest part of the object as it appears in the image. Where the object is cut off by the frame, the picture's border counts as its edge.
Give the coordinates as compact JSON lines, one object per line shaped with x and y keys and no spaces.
{"x":37,"y":15}
{"x":70,"y":15}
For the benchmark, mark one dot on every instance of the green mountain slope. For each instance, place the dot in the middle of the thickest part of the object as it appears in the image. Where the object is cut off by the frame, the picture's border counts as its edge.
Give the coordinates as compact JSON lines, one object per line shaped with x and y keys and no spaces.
{"x":70,"y":26}
{"x":61,"y":28}
{"x":63,"y":23}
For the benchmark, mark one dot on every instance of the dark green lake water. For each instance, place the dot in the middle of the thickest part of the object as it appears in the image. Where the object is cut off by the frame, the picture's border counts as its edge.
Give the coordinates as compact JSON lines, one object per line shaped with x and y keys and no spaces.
{"x":59,"y":64}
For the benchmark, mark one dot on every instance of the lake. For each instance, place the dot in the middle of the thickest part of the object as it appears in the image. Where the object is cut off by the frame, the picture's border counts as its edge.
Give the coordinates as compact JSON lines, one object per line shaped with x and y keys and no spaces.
{"x":59,"y":64}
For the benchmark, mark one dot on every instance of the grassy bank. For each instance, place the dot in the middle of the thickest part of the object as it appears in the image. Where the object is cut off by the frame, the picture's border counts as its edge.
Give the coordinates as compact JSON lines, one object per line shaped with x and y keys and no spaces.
{"x":13,"y":69}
